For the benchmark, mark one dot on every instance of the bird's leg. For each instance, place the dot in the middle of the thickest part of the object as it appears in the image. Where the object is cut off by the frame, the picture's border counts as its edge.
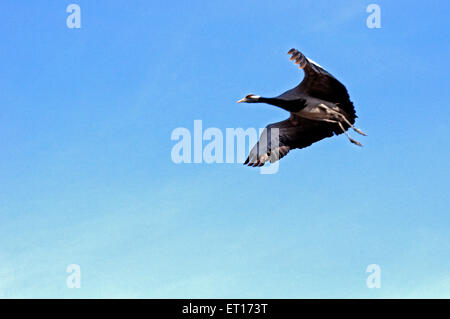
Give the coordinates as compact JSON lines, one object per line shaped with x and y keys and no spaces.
{"x":354,"y":128}
{"x":343,"y":130}
{"x":351,"y":140}
{"x":341,"y":117}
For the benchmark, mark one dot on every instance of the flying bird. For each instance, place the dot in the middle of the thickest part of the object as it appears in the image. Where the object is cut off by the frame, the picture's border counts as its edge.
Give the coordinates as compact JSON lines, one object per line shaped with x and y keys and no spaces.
{"x":319,"y":107}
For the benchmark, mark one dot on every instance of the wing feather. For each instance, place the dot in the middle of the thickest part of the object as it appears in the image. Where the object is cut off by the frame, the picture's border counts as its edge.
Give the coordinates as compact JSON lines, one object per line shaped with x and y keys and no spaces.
{"x":320,"y":84}
{"x":279,"y":138}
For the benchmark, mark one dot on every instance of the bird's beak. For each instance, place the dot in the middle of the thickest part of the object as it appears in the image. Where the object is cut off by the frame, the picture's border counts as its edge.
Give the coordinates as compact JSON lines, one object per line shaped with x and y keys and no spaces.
{"x":241,"y":100}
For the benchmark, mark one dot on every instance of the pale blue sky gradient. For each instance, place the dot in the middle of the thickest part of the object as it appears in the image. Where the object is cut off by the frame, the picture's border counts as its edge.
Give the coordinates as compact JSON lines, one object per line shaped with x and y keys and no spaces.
{"x":87,"y":178}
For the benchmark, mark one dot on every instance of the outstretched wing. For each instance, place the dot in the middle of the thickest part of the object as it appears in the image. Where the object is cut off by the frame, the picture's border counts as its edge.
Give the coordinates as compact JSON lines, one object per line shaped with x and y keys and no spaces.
{"x":278,"y":139}
{"x":320,"y":84}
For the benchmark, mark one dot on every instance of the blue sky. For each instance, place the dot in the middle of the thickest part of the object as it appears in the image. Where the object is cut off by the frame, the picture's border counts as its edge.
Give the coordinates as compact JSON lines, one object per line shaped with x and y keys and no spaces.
{"x":87,"y":177}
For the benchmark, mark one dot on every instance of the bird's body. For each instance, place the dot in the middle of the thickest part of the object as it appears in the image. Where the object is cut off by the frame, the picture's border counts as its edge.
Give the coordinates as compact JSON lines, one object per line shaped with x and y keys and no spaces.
{"x":319,"y":107}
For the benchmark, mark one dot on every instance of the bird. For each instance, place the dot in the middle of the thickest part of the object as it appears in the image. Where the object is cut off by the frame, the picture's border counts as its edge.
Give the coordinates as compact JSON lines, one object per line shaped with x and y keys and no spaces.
{"x":319,"y":107}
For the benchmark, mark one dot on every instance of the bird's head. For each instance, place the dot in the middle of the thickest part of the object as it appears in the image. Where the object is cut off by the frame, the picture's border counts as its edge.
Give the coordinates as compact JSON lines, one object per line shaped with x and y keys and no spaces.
{"x":251,"y":98}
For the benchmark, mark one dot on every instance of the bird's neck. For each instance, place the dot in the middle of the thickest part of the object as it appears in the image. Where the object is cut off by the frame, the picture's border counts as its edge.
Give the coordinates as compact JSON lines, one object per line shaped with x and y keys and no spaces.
{"x":290,"y":106}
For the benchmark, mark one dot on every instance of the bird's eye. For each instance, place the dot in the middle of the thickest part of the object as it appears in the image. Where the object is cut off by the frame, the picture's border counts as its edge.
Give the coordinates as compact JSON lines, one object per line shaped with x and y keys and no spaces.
{"x":249,"y":96}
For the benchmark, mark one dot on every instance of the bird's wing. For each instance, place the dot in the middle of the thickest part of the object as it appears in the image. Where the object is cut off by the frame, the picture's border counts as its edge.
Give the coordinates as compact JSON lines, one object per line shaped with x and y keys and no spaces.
{"x":320,"y":84}
{"x":278,"y":139}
